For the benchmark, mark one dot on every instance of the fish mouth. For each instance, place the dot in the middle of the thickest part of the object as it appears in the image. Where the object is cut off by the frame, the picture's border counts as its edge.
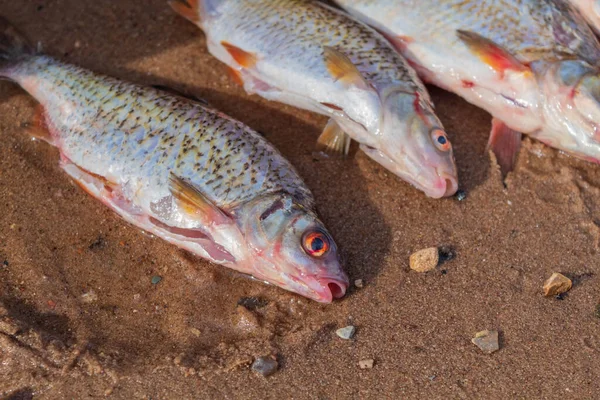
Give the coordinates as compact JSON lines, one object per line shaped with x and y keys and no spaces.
{"x":445,"y":186}
{"x":332,"y":289}
{"x":434,"y":183}
{"x":325,"y":290}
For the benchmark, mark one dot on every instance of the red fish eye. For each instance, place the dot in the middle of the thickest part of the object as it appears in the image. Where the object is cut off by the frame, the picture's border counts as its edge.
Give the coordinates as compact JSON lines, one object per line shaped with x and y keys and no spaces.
{"x":315,"y":244}
{"x":440,"y":139}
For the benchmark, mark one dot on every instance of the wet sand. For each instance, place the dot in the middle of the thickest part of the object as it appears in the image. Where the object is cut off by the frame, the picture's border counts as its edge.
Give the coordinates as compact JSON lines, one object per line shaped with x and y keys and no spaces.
{"x":81,"y":318}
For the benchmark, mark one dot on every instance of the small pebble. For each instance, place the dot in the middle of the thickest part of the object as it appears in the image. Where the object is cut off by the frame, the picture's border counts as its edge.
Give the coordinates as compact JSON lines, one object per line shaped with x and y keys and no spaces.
{"x":346,"y":332}
{"x":597,"y":311}
{"x":265,"y":366}
{"x":424,"y":260}
{"x":557,"y":284}
{"x":51,"y":304}
{"x":77,"y":44}
{"x":359,"y":283}
{"x":89,"y":297}
{"x":245,"y":320}
{"x":366,"y":364}
{"x":196,"y":332}
{"x":461,"y":195}
{"x":487,"y":341}
{"x":156,"y":279}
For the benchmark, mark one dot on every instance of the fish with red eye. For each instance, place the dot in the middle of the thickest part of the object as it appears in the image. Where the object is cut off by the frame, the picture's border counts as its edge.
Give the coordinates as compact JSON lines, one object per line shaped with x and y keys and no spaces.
{"x":440,"y":140}
{"x":316,"y":244}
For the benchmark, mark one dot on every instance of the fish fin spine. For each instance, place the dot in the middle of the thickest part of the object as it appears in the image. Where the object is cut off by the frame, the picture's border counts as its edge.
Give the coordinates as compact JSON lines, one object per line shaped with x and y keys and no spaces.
{"x":333,"y":140}
{"x":505,"y":143}
{"x":242,"y":57}
{"x":341,"y":69}
{"x":491,"y":53}
{"x":195,"y":203}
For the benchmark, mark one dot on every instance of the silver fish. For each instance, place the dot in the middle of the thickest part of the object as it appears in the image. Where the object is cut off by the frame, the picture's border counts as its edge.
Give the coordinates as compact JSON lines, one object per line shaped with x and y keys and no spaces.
{"x":182,"y":171}
{"x":532,"y":64}
{"x":312,"y":56}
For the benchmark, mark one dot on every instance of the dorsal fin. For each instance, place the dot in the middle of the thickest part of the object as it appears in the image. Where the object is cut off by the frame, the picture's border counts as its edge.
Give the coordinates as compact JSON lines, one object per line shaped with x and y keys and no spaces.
{"x":195,"y":203}
{"x":341,"y":69}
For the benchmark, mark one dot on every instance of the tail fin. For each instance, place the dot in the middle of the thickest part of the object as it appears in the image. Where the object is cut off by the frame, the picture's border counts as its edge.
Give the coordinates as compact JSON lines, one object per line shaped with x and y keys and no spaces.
{"x":13,"y":45}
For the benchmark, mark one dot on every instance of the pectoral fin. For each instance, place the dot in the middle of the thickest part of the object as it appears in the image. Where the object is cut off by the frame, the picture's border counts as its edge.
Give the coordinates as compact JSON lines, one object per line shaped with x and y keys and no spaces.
{"x":341,"y":69}
{"x":334,"y":140}
{"x":505,"y":144}
{"x":491,"y":53}
{"x":195,"y":203}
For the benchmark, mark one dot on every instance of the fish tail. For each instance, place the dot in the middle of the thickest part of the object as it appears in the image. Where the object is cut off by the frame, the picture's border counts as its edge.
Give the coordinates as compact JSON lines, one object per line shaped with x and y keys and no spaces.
{"x":14,"y":47}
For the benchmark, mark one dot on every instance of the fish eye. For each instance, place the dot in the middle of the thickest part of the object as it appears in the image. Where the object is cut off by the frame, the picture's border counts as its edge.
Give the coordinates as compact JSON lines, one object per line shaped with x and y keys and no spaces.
{"x":315,"y":243}
{"x":440,"y":139}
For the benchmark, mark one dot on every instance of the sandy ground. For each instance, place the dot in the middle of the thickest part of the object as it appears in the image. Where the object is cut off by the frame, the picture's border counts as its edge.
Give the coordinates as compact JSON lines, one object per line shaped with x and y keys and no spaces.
{"x":80,"y":317}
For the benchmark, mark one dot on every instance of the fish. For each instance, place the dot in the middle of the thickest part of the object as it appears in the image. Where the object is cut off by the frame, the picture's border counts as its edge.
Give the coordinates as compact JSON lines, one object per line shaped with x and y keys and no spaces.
{"x":180,"y":170}
{"x":590,"y":10}
{"x":315,"y":57}
{"x":532,"y":64}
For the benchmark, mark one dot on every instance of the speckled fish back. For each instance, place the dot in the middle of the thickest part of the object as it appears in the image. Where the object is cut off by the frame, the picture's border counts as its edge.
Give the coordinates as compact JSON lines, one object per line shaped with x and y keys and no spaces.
{"x":295,"y":32}
{"x":532,"y":30}
{"x":132,"y":133}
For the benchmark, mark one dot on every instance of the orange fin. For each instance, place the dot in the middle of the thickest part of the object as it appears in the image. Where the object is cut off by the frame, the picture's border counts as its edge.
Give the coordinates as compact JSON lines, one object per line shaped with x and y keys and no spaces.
{"x":189,"y":9}
{"x":38,"y":128}
{"x":242,"y":57}
{"x":194,"y":202}
{"x":490,"y":53}
{"x":334,"y":140}
{"x":236,"y":76}
{"x":505,"y":144}
{"x":342,"y":69}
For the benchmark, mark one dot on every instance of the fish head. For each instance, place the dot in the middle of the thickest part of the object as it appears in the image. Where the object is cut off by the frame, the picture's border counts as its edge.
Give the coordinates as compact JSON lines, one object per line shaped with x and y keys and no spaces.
{"x":412,"y":143}
{"x":290,"y":247}
{"x":571,"y":109}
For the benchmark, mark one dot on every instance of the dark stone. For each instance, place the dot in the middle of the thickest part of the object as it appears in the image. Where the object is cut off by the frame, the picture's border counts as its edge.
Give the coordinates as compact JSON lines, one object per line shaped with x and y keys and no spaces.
{"x":98,"y":244}
{"x":265,"y":366}
{"x":252,"y":303}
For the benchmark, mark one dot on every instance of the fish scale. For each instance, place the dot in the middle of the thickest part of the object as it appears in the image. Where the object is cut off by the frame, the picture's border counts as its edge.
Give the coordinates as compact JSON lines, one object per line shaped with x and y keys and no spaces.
{"x":309,"y":55}
{"x":532,"y":64}
{"x":121,"y":122}
{"x":182,"y":171}
{"x":534,"y":39}
{"x":256,"y":24}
